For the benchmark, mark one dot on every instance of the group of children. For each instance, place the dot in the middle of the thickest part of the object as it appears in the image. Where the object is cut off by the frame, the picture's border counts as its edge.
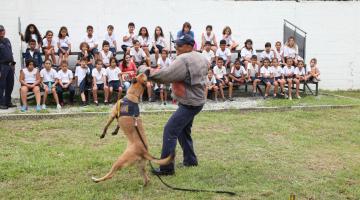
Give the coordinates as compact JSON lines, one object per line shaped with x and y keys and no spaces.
{"x":99,"y":70}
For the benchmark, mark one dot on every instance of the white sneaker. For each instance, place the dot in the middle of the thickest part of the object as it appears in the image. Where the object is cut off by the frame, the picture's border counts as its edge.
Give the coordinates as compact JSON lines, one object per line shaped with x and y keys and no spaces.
{"x":58,"y":106}
{"x":290,"y":98}
{"x":43,"y":107}
{"x":299,"y":97}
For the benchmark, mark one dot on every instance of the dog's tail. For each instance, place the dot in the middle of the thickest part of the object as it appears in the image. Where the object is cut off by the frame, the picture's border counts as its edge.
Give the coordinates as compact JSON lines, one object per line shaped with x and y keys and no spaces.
{"x":163,"y":161}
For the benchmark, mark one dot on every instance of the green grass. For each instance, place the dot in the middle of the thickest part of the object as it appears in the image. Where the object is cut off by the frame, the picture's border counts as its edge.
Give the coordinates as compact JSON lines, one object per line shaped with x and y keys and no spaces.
{"x":315,"y":155}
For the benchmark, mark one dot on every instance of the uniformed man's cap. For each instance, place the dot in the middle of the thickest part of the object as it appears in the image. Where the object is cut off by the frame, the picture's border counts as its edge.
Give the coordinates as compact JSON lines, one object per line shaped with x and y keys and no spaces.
{"x":2,"y":28}
{"x":185,"y":39}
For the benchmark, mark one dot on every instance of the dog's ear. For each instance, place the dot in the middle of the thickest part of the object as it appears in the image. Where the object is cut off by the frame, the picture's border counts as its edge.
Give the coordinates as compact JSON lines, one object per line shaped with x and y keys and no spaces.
{"x":134,"y":80}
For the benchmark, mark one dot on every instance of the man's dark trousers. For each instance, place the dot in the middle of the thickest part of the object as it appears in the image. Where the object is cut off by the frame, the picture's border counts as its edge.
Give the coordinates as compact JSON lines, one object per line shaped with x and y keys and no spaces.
{"x":6,"y":84}
{"x":179,"y":128}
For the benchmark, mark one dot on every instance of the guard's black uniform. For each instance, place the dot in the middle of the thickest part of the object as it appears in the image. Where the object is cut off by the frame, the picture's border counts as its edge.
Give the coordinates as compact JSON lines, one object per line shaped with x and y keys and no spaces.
{"x":7,"y":69}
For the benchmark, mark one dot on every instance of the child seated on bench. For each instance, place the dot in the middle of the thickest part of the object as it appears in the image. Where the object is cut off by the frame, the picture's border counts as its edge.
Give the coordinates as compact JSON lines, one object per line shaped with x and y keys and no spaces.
{"x":48,"y":46}
{"x":211,"y":85}
{"x":81,"y":72}
{"x":99,"y":82}
{"x":33,"y":53}
{"x":237,"y":73}
{"x":267,"y":76}
{"x":48,"y":77}
{"x":223,"y":53}
{"x":84,"y":48}
{"x":113,"y":74}
{"x":289,"y":75}
{"x":30,"y":80}
{"x":300,"y":76}
{"x":209,"y":54}
{"x":278,"y":75}
{"x":313,"y":71}
{"x":105,"y":54}
{"x":65,"y":83}
{"x":221,"y":77}
{"x":253,"y":71}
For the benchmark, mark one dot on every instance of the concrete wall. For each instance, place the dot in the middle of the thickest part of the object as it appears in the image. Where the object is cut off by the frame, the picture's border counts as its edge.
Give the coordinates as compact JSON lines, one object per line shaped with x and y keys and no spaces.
{"x":332,"y":27}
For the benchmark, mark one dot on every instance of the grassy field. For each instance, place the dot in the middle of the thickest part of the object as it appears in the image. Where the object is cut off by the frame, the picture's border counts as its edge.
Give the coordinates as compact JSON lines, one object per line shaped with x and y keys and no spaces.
{"x":315,"y":155}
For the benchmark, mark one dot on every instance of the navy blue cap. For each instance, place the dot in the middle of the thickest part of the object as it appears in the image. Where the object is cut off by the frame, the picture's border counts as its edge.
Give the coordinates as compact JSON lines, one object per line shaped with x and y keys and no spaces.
{"x":185,"y":39}
{"x":2,"y":28}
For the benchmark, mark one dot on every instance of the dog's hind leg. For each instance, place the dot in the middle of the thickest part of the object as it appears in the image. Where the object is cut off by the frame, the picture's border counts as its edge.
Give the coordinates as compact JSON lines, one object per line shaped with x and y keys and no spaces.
{"x":116,"y":131}
{"x":124,"y":160}
{"x":141,"y":166}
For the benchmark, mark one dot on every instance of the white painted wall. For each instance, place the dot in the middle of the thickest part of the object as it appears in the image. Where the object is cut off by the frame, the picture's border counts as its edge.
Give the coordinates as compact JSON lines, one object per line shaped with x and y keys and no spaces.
{"x":333,"y":27}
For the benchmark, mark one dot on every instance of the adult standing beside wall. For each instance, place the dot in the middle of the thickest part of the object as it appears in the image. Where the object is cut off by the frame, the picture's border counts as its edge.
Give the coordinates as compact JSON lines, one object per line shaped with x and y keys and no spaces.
{"x":7,"y":69}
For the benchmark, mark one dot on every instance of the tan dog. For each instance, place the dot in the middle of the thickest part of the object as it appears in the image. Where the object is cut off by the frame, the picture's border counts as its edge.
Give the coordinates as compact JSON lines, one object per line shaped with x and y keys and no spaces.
{"x":135,"y":152}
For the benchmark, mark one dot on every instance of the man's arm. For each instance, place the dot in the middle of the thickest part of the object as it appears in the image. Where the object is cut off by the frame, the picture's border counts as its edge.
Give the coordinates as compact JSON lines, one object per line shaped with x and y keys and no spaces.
{"x":175,"y":72}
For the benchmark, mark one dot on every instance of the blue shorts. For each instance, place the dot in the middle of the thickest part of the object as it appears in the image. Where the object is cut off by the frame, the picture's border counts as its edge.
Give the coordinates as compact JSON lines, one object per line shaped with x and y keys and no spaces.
{"x":277,"y":78}
{"x":268,"y":80}
{"x":253,"y":78}
{"x":157,"y":46}
{"x":124,"y":47}
{"x":113,"y":50}
{"x":82,"y":86}
{"x":115,"y":84}
{"x":94,"y":51}
{"x":60,"y":52}
{"x":100,"y":86}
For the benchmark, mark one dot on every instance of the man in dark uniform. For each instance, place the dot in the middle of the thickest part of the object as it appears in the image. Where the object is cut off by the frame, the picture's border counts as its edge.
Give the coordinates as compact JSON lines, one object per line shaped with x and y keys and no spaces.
{"x":7,"y":69}
{"x":187,"y":74}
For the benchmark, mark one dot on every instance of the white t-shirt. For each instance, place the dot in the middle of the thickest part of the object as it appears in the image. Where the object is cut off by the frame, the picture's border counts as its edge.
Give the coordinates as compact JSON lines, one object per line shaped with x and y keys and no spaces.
{"x":48,"y":76}
{"x":290,"y":52}
{"x":98,"y":75}
{"x":46,"y":43}
{"x":209,"y":38}
{"x":106,"y":57}
{"x":252,"y":69}
{"x":266,"y":72}
{"x":111,"y":39}
{"x":278,"y":55}
{"x":247,"y":53}
{"x":163,"y":63}
{"x":288,"y":71}
{"x":144,"y":41}
{"x":228,"y":39}
{"x":30,"y":77}
{"x":137,"y":55}
{"x":223,"y":54}
{"x":300,"y":72}
{"x":80,"y":73}
{"x":65,"y":77}
{"x":91,"y":41}
{"x":210,"y":81}
{"x":244,"y":71}
{"x":65,"y":42}
{"x":237,"y":72}
{"x":209,"y":55}
{"x":269,"y":55}
{"x":160,"y":41}
{"x":129,"y":42}
{"x":278,"y":71}
{"x":113,"y":74}
{"x":219,"y":72}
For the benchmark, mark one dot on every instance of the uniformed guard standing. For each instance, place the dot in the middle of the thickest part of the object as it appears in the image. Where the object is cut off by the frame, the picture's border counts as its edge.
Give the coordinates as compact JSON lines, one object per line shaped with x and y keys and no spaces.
{"x":7,"y":69}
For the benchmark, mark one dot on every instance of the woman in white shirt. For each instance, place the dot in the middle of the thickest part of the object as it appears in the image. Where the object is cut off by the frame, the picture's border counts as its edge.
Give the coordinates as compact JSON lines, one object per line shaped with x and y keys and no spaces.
{"x":291,"y":50}
{"x":159,"y":42}
{"x":144,"y":39}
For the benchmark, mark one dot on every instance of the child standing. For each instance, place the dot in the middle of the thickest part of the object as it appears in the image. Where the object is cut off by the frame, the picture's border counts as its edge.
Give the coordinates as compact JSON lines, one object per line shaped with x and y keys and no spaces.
{"x":30,"y":80}
{"x":278,"y":75}
{"x":49,"y":44}
{"x":113,"y":74}
{"x":223,"y":53}
{"x":128,"y":38}
{"x":33,"y":53}
{"x":80,"y":76}
{"x":209,"y":54}
{"x":48,"y":77}
{"x":267,"y":76}
{"x":65,"y":80}
{"x":253,"y":71}
{"x":64,"y":45}
{"x":91,"y":41}
{"x":111,"y":39}
{"x":99,"y":82}
{"x":230,"y":43}
{"x":289,"y":75}
{"x":221,"y":78}
{"x":211,"y":85}
{"x":163,"y":62}
{"x":106,"y":54}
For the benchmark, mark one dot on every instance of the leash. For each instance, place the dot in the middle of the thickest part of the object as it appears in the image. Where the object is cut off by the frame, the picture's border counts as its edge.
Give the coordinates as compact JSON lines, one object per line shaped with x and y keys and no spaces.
{"x":177,"y":188}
